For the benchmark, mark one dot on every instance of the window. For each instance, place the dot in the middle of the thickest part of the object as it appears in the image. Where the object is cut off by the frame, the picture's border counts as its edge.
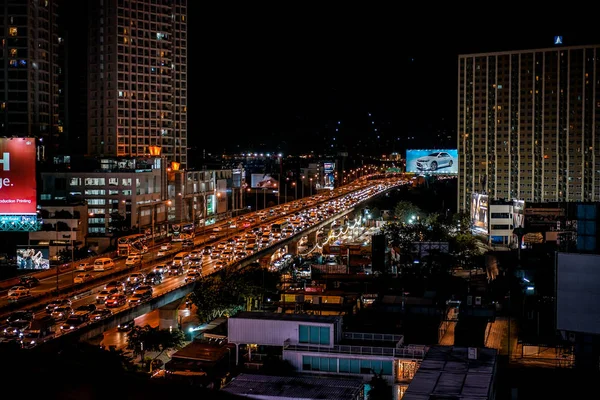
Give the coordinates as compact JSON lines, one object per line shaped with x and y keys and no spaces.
{"x":326,"y":364}
{"x":12,"y":31}
{"x":126,"y":182}
{"x":96,"y":202}
{"x":95,"y":181}
{"x":364,"y":366}
{"x":313,"y":334}
{"x":97,"y":192}
{"x":113,"y":181}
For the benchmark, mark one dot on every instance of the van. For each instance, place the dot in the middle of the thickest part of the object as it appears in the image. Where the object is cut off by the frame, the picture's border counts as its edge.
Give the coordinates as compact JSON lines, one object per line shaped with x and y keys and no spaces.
{"x":103,"y":264}
{"x":182,"y":258}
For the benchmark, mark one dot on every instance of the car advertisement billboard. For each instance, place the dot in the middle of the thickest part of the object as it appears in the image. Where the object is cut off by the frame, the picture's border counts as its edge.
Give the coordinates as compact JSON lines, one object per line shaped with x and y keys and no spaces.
{"x":17,"y":176}
{"x":432,"y":161}
{"x":260,"y":181}
{"x":33,"y":257}
{"x":480,"y":212}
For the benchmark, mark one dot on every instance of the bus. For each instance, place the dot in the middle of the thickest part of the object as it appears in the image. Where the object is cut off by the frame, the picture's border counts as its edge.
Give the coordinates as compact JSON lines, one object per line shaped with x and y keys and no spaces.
{"x":182,"y":232}
{"x":132,"y":244}
{"x":280,"y":225}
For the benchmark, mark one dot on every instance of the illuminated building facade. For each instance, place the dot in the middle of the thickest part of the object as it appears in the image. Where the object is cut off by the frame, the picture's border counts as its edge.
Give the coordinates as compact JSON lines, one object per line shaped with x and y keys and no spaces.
{"x":137,"y":78}
{"x":527,"y":125}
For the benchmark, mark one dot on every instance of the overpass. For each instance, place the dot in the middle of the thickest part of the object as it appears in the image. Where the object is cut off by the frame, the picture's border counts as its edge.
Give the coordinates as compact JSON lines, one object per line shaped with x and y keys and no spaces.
{"x":95,"y":328}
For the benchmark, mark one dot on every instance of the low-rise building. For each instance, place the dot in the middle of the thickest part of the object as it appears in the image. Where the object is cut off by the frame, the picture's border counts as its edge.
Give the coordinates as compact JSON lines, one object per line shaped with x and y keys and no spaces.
{"x":317,"y":345}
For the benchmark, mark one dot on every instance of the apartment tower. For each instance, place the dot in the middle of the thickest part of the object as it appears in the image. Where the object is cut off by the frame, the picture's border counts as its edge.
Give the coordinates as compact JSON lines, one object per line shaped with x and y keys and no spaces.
{"x":527,"y":125}
{"x":30,"y":71}
{"x":137,"y":96}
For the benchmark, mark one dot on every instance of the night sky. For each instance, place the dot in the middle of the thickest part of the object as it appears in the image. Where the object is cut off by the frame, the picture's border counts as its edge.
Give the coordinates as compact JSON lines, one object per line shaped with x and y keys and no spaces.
{"x":284,"y":79}
{"x":285,"y":84}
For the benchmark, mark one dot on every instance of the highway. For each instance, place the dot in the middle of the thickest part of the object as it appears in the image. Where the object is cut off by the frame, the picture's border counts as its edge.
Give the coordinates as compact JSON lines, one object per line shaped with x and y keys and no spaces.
{"x":345,"y":198}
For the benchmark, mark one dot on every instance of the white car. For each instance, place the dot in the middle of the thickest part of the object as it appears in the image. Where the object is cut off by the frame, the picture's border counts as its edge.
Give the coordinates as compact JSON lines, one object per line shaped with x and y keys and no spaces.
{"x":18,"y":290}
{"x":164,"y":249}
{"x":133,"y":260}
{"x":81,"y":278}
{"x":433,"y":161}
{"x":84,"y":266}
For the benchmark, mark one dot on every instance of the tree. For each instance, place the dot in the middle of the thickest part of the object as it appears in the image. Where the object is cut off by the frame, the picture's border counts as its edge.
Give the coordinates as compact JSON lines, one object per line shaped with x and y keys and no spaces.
{"x":462,"y":221}
{"x":147,"y":338}
{"x":404,"y":210}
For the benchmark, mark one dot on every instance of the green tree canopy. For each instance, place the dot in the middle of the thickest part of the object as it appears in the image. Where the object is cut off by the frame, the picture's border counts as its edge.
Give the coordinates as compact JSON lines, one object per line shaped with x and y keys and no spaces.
{"x":404,"y":210}
{"x":147,"y":338}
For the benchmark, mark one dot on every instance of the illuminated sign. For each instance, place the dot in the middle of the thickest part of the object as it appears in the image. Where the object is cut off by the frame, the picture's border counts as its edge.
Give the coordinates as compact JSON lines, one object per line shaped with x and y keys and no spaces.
{"x":17,"y":176}
{"x":441,"y":162}
{"x":480,"y":212}
{"x":33,"y":257}
{"x":558,"y":40}
{"x":263,"y":181}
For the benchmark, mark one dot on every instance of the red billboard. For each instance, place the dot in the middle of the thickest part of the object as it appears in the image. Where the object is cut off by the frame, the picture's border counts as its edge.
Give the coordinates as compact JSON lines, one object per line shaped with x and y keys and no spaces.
{"x":17,"y":176}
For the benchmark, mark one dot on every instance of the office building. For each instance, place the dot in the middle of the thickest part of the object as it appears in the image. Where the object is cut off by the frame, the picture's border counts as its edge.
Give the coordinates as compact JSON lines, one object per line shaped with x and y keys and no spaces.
{"x":137,"y":78}
{"x":527,"y":125}
{"x":29,"y":75}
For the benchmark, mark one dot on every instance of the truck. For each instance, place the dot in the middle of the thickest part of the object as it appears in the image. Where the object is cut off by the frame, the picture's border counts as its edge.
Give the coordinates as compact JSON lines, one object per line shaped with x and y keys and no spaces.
{"x":41,"y":329}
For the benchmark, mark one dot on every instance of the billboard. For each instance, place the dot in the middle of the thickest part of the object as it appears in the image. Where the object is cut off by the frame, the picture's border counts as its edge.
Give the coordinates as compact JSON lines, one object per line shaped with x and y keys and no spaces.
{"x":518,"y":214}
{"x":328,"y":175}
{"x":260,"y":181}
{"x":432,"y":161}
{"x":17,"y":176}
{"x":578,"y":293}
{"x":479,"y":212}
{"x":33,"y":257}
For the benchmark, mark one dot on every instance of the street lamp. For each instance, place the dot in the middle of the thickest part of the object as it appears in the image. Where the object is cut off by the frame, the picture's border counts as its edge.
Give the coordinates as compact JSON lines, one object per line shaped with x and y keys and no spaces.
{"x":310,"y":186}
{"x":264,"y":198}
{"x":302,"y":186}
{"x":295,"y":191}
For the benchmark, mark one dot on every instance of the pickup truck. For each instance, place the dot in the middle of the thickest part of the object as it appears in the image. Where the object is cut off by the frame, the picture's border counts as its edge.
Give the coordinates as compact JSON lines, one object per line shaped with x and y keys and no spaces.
{"x":41,"y":329}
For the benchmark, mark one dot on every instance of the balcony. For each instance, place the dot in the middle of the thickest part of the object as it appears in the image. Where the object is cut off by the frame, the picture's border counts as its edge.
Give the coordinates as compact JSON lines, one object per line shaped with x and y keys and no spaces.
{"x":406,"y":352}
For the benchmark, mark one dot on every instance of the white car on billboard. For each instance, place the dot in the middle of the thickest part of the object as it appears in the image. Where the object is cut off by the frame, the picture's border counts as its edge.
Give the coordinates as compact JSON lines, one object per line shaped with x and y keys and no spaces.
{"x":433,"y":161}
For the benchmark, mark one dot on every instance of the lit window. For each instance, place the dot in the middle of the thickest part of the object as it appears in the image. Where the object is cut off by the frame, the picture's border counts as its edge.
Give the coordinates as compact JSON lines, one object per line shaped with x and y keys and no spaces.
{"x":12,"y":31}
{"x":13,"y":63}
{"x":13,"y":52}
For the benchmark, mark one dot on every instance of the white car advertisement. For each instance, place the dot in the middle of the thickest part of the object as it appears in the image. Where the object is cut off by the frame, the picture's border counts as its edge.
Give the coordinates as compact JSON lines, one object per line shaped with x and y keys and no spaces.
{"x":442,"y":162}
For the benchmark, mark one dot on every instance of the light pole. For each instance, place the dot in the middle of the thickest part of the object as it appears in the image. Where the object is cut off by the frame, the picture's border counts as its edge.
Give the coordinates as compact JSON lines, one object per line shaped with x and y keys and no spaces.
{"x":264,"y":198}
{"x":295,"y":191}
{"x":310,"y":180}
{"x":256,"y":199}
{"x":302,"y":186}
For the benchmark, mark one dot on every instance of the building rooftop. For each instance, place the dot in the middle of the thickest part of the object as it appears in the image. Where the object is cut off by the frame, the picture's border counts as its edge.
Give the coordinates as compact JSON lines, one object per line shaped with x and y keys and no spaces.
{"x":202,"y":351}
{"x":280,"y":387}
{"x":447,"y":372}
{"x":288,"y":317}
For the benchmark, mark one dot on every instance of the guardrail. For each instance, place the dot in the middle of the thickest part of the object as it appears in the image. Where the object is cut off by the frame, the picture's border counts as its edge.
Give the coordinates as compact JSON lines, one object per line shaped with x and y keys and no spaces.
{"x":189,"y":286}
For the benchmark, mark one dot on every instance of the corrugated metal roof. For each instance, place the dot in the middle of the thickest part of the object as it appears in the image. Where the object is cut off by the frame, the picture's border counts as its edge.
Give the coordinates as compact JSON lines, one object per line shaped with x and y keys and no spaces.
{"x":447,"y":372}
{"x":294,"y":387}
{"x":287,"y":317}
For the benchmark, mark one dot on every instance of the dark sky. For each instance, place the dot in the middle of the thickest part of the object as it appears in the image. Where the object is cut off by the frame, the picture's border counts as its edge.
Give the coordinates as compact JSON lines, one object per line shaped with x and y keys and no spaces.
{"x":259,"y":81}
{"x":279,"y":79}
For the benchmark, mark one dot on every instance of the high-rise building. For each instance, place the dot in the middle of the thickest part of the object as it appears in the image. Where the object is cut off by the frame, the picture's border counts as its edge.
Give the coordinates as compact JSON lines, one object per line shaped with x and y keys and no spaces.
{"x":527,"y":125}
{"x":30,"y":70}
{"x":137,"y":78}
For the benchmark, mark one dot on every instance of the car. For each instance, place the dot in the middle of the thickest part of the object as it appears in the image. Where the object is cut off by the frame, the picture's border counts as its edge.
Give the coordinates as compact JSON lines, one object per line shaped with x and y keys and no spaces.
{"x":136,"y":277}
{"x":99,"y":314}
{"x":15,"y":297}
{"x":187,"y":243}
{"x":86,"y":308}
{"x":105,"y":294}
{"x":176,"y":270}
{"x":116,"y":300}
{"x":114,"y":285}
{"x":153,"y":278}
{"x":433,"y":161}
{"x":130,"y":287}
{"x":61,"y":312}
{"x":57,"y":303}
{"x":137,"y":298}
{"x":19,"y":315}
{"x":84,"y":266}
{"x":16,"y":328}
{"x":219,"y":264}
{"x":164,"y":249}
{"x":207,"y":250}
{"x":192,"y":276}
{"x":29,"y":281}
{"x":82,"y":278}
{"x":145,"y":290}
{"x":133,"y":260}
{"x":19,"y":289}
{"x":195,"y":255}
{"x":75,"y":320}
{"x":161,"y":269}
{"x":126,"y":326}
